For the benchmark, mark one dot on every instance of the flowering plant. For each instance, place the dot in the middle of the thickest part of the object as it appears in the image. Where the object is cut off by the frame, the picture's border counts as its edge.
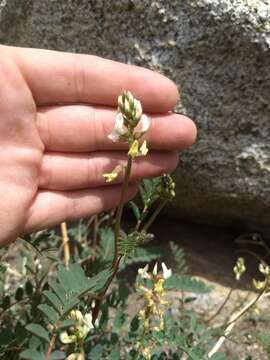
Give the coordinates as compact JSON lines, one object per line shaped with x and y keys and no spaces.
{"x":76,"y":303}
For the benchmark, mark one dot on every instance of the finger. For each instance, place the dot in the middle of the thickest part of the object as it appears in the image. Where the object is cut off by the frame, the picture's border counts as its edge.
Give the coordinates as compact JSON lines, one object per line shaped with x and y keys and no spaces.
{"x":79,"y":128}
{"x":58,"y":77}
{"x":50,"y":208}
{"x":86,"y":171}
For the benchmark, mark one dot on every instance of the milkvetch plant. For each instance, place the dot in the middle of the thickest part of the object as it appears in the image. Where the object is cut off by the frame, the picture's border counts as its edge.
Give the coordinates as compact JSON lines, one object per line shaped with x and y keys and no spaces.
{"x":67,"y":293}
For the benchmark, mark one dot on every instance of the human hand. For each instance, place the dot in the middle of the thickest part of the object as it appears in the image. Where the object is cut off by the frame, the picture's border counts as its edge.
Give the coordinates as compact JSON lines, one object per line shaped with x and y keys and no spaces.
{"x":57,"y":110}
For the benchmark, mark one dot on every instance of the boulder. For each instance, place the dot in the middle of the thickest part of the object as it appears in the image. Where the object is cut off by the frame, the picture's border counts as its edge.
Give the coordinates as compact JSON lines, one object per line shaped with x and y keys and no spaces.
{"x":217,"y":51}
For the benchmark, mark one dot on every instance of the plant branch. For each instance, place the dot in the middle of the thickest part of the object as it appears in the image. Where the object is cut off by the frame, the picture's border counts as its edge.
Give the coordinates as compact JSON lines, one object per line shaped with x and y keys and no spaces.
{"x":117,"y":229}
{"x":230,"y":325}
{"x":120,"y":210}
{"x":51,"y":345}
{"x":221,"y":306}
{"x":154,"y":215}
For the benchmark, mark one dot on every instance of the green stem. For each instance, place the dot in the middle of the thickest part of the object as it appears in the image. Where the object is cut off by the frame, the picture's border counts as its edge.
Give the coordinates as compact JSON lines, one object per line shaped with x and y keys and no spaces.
{"x":117,"y":229}
{"x":222,"y":306}
{"x":154,"y":215}
{"x":120,"y":210}
{"x":143,"y":214}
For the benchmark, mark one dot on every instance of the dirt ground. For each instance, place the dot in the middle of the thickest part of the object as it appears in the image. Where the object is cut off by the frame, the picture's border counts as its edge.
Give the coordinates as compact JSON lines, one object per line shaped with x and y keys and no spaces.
{"x":211,"y":254}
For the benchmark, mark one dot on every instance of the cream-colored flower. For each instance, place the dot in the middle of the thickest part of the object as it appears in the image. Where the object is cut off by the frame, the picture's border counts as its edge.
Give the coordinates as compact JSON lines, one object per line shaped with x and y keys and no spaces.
{"x":259,"y":285}
{"x":88,"y":321}
{"x":144,"y":148}
{"x":143,"y":272}
{"x":146,"y":353}
{"x":119,"y":128}
{"x":155,"y":269}
{"x":76,"y":315}
{"x":134,"y":149}
{"x":166,"y":272}
{"x":67,"y":339}
{"x":138,"y":107}
{"x":142,"y":127}
{"x":78,"y":331}
{"x":109,"y":177}
{"x":239,"y":268}
{"x":264,"y":269}
{"x":75,"y":356}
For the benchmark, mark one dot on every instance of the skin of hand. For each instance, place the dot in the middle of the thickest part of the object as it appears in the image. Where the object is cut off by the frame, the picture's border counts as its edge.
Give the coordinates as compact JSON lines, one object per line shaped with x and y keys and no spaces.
{"x":56,"y":111}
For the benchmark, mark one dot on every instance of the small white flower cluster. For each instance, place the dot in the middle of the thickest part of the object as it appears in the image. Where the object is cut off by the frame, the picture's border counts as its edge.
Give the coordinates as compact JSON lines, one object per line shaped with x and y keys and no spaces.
{"x":129,"y":120}
{"x":130,"y":125}
{"x":166,"y":273}
{"x":77,"y":332}
{"x":120,"y":129}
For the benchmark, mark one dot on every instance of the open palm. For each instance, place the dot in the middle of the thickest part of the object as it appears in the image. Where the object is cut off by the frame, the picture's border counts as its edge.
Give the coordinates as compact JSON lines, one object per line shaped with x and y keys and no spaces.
{"x":56,"y":111}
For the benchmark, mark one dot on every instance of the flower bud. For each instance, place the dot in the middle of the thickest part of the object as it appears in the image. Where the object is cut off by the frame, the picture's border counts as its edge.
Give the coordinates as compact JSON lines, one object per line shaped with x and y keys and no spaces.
{"x":134,"y":149}
{"x":138,"y":110}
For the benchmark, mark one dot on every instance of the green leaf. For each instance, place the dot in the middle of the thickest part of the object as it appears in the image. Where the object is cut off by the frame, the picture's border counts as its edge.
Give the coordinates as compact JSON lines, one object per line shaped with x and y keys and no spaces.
{"x":49,"y":312}
{"x":58,"y":355}
{"x":70,"y":304}
{"x":96,"y":283}
{"x":118,"y":320}
{"x":6,"y":336}
{"x":127,"y":246}
{"x":39,"y":331}
{"x":34,"y":342}
{"x":148,"y":191}
{"x":19,"y":294}
{"x":6,"y":302}
{"x":96,"y":353}
{"x":30,"y":354}
{"x":144,"y":255}
{"x":187,"y":283}
{"x":115,"y":354}
{"x":75,"y":281}
{"x":67,"y":279}
{"x":219,"y":356}
{"x":106,"y":246}
{"x":28,"y":287}
{"x":135,"y":323}
{"x":54,"y":300}
{"x":59,"y":290}
{"x":66,"y":324}
{"x":179,"y":257}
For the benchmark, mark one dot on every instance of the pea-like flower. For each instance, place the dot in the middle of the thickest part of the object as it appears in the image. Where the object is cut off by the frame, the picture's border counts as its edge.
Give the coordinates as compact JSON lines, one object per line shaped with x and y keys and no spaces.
{"x":166,"y":272}
{"x":142,"y":127}
{"x":143,"y":272}
{"x":119,"y":129}
{"x":79,"y":331}
{"x":130,"y":123}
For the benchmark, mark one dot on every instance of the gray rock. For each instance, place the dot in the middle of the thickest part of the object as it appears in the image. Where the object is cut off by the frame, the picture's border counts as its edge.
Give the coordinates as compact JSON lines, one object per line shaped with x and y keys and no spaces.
{"x":218,"y":51}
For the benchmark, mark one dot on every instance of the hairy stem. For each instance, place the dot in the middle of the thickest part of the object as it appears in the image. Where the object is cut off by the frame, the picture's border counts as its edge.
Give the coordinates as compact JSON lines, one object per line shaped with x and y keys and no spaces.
{"x":154,"y":215}
{"x":117,"y":229}
{"x":120,"y":210}
{"x":143,"y":214}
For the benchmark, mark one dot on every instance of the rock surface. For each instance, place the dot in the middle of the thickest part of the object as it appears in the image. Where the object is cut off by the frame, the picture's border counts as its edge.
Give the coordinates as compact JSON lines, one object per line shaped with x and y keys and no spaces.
{"x":218,"y":51}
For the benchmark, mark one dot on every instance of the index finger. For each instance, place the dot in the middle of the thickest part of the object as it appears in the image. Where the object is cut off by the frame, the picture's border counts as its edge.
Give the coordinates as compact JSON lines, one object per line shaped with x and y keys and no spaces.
{"x":59,"y":77}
